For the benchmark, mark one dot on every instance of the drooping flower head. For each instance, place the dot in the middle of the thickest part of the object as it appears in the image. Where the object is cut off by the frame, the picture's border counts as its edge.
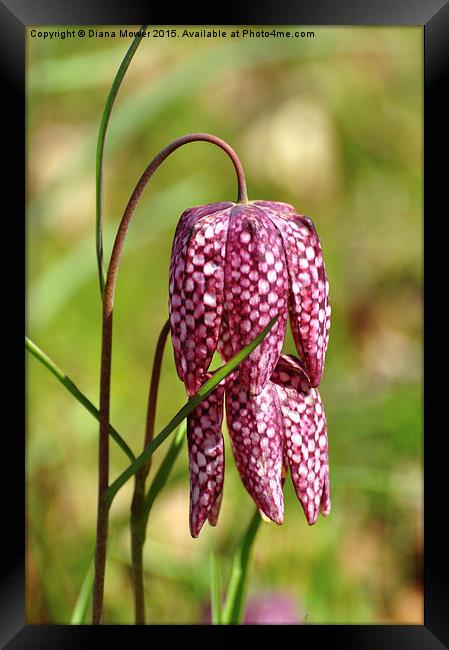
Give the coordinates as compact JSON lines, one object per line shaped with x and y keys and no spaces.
{"x":233,"y":268}
{"x":305,"y":436}
{"x":245,"y":263}
{"x":281,"y":429}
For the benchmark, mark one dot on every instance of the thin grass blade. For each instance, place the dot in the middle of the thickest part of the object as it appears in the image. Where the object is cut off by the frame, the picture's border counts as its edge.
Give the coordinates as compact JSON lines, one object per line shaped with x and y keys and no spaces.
{"x":80,"y":610}
{"x":235,"y":599}
{"x":75,"y":391}
{"x":100,"y":150}
{"x":215,"y":589}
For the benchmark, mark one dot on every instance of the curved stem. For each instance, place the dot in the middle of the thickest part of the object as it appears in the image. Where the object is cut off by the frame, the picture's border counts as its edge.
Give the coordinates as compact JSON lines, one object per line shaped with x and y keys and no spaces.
{"x":111,"y":281}
{"x":138,"y":501}
{"x":106,"y":348}
{"x":100,"y":150}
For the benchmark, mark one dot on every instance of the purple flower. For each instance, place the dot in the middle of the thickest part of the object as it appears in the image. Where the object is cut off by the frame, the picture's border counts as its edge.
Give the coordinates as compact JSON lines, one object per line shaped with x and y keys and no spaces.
{"x":284,"y":427}
{"x":305,"y":436}
{"x":206,"y":460}
{"x":234,"y":267}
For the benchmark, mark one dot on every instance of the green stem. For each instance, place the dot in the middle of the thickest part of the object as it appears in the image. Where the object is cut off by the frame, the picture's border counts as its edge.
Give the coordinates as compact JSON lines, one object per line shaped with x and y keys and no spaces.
{"x":100,"y":151}
{"x":233,"y":608}
{"x":75,"y":391}
{"x":137,"y":505}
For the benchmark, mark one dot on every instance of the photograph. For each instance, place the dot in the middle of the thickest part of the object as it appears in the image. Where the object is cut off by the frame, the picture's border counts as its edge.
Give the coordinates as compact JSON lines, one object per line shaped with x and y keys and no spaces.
{"x":224,"y":288}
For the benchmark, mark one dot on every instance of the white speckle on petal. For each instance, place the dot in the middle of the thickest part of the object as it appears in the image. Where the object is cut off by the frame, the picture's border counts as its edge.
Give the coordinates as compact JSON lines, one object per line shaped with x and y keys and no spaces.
{"x":210,"y":299}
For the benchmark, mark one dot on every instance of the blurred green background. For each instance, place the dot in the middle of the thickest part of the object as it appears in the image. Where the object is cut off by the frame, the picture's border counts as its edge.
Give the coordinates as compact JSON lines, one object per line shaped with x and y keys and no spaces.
{"x":332,"y":125}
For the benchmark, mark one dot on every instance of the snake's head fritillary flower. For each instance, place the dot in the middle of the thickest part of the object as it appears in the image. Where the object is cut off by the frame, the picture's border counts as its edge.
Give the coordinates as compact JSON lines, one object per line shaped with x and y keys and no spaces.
{"x":309,"y":305}
{"x":233,"y":268}
{"x":206,"y":460}
{"x":228,"y":259}
{"x":284,"y":427}
{"x":256,"y":432}
{"x":305,"y":436}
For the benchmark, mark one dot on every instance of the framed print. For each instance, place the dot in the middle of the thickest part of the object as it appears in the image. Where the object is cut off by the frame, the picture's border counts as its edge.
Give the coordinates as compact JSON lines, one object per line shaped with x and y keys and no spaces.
{"x":241,"y":427}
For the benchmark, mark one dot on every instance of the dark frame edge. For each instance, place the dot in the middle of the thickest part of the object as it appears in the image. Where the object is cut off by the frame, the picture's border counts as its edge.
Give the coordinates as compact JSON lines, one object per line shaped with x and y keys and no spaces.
{"x":12,"y":75}
{"x":436,"y":82}
{"x":434,"y":633}
{"x":349,"y":637}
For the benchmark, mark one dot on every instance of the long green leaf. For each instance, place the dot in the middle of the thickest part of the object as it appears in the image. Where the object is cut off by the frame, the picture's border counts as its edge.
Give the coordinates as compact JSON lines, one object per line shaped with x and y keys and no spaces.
{"x":82,"y":602}
{"x":233,"y":607}
{"x":215,"y":590}
{"x":100,"y":150}
{"x":75,"y":391}
{"x":190,"y":406}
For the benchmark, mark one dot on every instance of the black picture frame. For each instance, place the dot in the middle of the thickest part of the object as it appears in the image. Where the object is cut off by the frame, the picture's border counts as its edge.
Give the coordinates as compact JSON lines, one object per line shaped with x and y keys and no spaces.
{"x":433,"y":15}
